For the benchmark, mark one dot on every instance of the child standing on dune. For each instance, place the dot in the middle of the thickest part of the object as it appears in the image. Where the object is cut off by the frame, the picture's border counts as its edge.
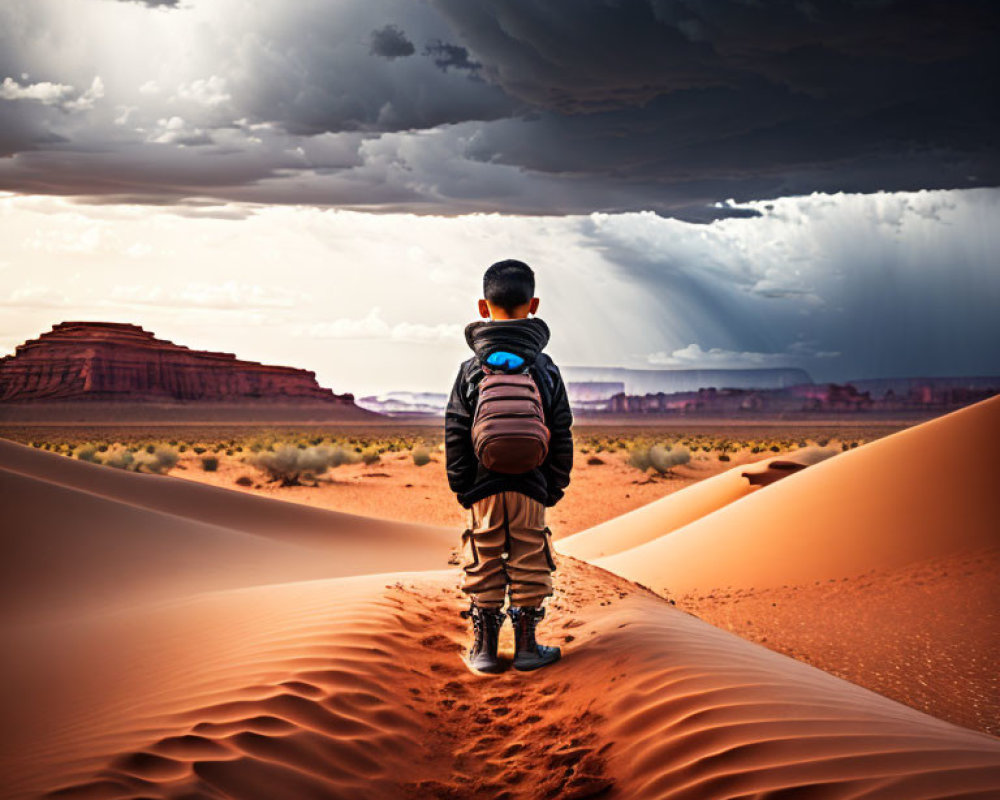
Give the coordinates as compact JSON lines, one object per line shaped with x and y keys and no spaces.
{"x":509,"y":452}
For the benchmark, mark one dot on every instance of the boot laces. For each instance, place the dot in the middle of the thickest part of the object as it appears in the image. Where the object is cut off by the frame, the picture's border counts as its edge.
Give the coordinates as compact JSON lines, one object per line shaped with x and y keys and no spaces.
{"x":483,"y":622}
{"x":527,"y":620}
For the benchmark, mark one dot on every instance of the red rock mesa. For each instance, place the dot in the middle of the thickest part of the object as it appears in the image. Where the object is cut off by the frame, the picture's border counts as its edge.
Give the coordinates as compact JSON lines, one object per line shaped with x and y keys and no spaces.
{"x":119,"y":361}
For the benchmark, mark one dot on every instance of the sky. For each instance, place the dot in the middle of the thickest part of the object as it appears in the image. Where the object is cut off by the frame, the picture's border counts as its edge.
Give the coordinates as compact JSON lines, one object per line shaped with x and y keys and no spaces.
{"x":322,"y":184}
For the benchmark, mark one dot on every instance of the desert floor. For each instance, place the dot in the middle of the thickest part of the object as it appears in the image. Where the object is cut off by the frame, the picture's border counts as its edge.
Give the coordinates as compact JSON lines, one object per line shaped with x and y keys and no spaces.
{"x":827,"y":631}
{"x":394,"y":488}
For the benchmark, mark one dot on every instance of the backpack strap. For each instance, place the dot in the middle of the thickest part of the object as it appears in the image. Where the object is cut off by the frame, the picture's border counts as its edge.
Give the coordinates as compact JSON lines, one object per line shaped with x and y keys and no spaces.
{"x":544,"y":373}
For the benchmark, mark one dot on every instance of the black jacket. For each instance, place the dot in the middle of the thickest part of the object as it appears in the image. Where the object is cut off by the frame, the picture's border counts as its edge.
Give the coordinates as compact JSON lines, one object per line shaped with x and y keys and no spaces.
{"x":469,"y":479}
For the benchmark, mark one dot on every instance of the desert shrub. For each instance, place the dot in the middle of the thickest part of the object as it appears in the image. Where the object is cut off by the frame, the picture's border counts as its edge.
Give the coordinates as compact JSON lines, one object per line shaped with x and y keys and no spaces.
{"x":370,"y":455}
{"x":775,"y":448}
{"x":182,"y":449}
{"x":421,"y":455}
{"x":315,"y":460}
{"x":244,"y":480}
{"x":280,"y":464}
{"x":151,"y":448}
{"x":723,"y":457}
{"x":198,"y":449}
{"x":638,"y":457}
{"x":663,"y":460}
{"x":338,"y":456}
{"x":160,"y":461}
{"x":102,"y":448}
{"x":120,"y":459}
{"x":209,"y":463}
{"x":288,"y":463}
{"x":594,"y":461}
{"x":88,"y":452}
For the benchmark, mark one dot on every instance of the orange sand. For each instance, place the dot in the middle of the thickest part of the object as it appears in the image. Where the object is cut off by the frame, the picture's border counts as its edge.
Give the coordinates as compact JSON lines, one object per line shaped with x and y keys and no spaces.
{"x":170,"y":639}
{"x":923,"y":492}
{"x":396,"y":489}
{"x":878,"y":564}
{"x":651,"y":521}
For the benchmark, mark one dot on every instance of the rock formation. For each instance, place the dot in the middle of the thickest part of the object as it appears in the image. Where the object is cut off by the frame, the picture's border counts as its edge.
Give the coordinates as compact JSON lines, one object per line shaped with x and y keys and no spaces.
{"x":112,"y":361}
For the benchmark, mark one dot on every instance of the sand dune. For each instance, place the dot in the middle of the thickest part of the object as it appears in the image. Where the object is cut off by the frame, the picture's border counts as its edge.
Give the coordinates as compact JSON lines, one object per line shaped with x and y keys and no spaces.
{"x":676,"y":510}
{"x":78,"y":535}
{"x":353,"y":688}
{"x":196,"y":642}
{"x":273,"y":518}
{"x":924,"y":492}
{"x":878,"y":564}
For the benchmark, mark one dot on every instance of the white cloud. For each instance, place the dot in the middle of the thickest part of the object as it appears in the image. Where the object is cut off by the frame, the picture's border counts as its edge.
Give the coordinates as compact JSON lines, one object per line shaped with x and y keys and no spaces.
{"x":174,"y":130}
{"x":373,"y":326}
{"x":89,"y":98}
{"x":44,"y":92}
{"x":54,"y":94}
{"x":79,"y":236}
{"x":228,"y":295}
{"x":34,"y":296}
{"x":123,"y":113}
{"x":210,"y":92}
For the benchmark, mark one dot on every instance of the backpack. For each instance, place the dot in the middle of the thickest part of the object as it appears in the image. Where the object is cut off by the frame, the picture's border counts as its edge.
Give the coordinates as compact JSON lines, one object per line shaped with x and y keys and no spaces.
{"x":509,"y":434}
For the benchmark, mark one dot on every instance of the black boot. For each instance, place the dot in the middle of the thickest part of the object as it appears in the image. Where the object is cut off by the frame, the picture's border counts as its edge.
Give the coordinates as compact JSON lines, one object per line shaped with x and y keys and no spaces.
{"x":529,"y":654}
{"x":486,"y":624}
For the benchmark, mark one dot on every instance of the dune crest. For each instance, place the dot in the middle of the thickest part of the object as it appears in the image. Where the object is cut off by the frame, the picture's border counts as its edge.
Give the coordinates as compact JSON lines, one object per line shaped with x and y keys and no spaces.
{"x":352,"y":687}
{"x":878,"y":564}
{"x":923,"y":492}
{"x":676,"y":510}
{"x":80,"y":535}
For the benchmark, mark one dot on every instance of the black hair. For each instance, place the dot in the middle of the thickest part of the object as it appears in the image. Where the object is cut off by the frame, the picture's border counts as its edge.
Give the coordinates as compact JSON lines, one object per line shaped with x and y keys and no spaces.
{"x":509,"y":284}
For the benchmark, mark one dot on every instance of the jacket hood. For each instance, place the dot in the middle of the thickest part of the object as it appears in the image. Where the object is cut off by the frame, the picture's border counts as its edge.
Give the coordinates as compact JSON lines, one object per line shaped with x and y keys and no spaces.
{"x":524,"y":337}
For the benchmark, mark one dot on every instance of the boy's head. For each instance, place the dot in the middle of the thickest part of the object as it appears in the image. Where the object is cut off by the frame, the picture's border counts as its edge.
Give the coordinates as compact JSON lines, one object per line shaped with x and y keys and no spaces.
{"x":508,"y":291}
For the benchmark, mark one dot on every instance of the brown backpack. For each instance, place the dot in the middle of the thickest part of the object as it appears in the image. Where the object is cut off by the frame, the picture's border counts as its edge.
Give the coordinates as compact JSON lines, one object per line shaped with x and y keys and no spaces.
{"x":509,"y":434}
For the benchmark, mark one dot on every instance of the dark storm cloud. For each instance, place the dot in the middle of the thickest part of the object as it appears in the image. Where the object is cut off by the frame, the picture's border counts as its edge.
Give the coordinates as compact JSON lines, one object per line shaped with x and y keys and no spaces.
{"x":320,"y":80}
{"x":519,"y":105}
{"x":451,"y":56}
{"x":390,"y":42}
{"x":757,"y":98}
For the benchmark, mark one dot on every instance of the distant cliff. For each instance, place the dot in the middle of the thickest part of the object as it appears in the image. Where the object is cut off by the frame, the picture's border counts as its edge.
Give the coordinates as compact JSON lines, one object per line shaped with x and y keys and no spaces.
{"x":924,"y":395}
{"x":651,"y":381}
{"x":80,"y":363}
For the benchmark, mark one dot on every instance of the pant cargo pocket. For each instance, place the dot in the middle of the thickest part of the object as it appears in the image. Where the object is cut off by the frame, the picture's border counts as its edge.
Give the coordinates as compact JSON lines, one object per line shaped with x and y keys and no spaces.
{"x":470,"y":555}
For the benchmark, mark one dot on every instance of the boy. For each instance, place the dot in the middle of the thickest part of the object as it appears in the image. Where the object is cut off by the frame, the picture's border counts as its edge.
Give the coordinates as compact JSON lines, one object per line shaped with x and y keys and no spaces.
{"x":508,"y":544}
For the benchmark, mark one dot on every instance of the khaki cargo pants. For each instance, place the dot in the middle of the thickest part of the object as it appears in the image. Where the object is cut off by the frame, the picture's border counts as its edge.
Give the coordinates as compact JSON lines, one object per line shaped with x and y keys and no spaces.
{"x":507,"y":544}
